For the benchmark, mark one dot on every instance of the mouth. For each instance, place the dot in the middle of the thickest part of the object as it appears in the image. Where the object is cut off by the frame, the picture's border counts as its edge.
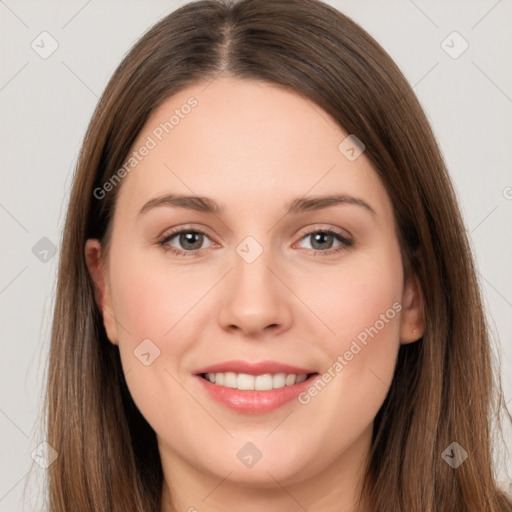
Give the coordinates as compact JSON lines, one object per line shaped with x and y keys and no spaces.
{"x":253,"y":388}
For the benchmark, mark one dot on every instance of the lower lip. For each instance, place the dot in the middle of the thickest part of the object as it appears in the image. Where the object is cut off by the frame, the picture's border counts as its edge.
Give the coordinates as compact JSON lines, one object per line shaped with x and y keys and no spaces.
{"x":255,"y":402}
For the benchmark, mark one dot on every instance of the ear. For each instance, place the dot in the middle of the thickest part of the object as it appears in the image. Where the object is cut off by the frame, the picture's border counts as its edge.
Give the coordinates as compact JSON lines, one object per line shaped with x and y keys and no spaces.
{"x":412,"y":322}
{"x":102,"y":291}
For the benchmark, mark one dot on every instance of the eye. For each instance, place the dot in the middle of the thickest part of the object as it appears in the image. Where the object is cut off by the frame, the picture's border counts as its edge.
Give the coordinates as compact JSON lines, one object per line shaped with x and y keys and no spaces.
{"x":191,"y":240}
{"x":322,"y":241}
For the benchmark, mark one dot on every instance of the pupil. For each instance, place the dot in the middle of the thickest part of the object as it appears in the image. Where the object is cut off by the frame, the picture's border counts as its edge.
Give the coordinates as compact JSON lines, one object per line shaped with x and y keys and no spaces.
{"x":319,"y":237}
{"x":188,"y":238}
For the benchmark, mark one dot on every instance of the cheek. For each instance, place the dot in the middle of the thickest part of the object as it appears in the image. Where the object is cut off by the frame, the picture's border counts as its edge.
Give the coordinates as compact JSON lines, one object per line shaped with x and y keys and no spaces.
{"x":151,"y":305}
{"x":359,"y":299}
{"x":152,"y":300}
{"x":150,"y":308}
{"x":361,"y":304}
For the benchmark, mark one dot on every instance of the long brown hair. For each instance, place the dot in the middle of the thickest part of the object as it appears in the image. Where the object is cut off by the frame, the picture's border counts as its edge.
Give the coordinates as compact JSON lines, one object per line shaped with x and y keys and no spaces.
{"x":444,"y":389}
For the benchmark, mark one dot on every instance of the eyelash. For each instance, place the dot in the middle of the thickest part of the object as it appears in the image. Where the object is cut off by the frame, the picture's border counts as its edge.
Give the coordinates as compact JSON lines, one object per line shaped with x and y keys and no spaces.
{"x":345,"y":243}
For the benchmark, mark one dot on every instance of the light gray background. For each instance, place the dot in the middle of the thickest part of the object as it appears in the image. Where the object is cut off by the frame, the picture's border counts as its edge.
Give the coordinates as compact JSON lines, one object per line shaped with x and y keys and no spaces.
{"x":46,"y":105}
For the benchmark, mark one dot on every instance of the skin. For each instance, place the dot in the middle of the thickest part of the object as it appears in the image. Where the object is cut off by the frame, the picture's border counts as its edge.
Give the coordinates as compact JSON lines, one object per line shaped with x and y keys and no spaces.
{"x":254,"y":147}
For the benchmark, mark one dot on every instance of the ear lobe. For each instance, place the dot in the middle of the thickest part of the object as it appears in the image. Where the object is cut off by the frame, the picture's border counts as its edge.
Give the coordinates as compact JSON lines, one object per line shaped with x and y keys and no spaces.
{"x":412,"y":324}
{"x":102,"y":292}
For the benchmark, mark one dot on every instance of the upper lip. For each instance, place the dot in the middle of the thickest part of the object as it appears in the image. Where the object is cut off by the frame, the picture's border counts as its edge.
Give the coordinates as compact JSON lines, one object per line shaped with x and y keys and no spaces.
{"x":253,"y":368}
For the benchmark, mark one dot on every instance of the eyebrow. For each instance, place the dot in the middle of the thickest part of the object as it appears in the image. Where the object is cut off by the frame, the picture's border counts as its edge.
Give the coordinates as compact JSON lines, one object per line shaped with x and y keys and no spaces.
{"x":296,"y":206}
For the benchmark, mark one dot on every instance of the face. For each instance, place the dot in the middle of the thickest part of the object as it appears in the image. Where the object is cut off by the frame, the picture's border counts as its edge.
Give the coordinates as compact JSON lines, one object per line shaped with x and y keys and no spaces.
{"x":270,"y":283}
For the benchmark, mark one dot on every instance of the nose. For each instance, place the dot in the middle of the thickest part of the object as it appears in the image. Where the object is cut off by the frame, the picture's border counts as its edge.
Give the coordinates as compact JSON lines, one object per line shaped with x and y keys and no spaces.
{"x":254,"y":300}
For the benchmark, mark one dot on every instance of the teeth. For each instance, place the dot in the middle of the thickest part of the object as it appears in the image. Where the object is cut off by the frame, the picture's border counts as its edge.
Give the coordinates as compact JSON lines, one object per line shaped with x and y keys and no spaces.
{"x":290,"y":379}
{"x":244,"y":381}
{"x":279,"y":380}
{"x":230,"y":380}
{"x":265,"y":382}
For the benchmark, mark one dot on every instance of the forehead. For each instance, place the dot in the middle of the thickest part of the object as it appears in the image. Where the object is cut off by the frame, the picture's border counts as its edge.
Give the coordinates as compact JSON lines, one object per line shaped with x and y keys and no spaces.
{"x":246,"y":143}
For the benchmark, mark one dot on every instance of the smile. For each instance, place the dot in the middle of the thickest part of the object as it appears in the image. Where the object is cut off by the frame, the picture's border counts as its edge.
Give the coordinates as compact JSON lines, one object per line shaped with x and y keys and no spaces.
{"x":246,"y":382}
{"x":253,"y":394}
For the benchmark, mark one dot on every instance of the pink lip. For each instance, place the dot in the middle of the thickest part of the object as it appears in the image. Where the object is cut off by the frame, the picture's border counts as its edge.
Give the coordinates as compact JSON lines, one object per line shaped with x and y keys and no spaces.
{"x":254,"y":402}
{"x":253,"y":368}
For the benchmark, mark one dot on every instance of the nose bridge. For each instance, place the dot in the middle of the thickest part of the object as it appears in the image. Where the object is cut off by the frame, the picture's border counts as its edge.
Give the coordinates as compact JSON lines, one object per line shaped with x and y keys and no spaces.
{"x":251,"y":270}
{"x":254,"y":298}
{"x":252,"y":276}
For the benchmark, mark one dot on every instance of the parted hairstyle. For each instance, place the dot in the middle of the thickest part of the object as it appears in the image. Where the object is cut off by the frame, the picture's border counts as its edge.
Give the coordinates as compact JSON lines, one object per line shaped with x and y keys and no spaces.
{"x":444,"y":388}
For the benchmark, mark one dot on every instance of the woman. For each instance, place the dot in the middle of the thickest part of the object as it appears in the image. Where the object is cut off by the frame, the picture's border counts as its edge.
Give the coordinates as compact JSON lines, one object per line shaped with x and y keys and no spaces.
{"x":250,"y":371}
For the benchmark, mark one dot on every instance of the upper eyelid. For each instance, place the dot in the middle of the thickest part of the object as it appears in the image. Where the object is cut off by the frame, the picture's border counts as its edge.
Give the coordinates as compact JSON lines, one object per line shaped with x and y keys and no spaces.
{"x":337,"y":230}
